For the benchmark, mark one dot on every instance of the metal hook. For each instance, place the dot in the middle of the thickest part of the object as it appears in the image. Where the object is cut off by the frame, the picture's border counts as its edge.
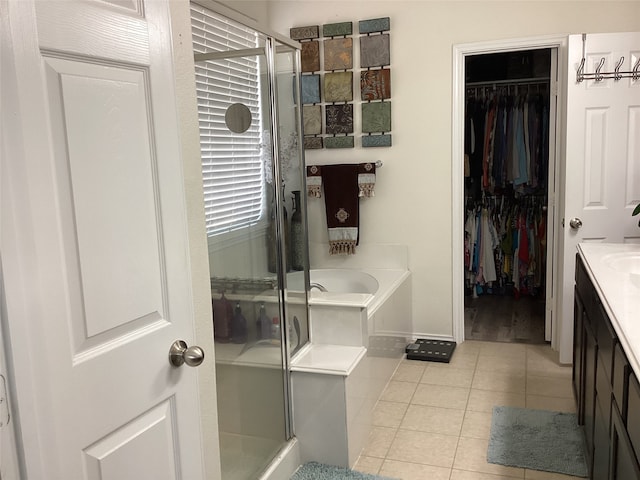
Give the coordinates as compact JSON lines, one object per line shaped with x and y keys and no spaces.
{"x":616,"y":71}
{"x":580,"y":74}
{"x":599,"y":77}
{"x":635,"y":73}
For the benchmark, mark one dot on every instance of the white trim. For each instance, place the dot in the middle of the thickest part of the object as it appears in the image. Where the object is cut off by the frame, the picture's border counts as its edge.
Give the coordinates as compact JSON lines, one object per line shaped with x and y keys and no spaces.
{"x":19,"y":252}
{"x":457,"y":151}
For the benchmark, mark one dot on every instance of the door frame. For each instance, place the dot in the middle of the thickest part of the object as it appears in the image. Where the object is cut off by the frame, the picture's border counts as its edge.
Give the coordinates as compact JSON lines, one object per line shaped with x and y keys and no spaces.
{"x":556,"y":173}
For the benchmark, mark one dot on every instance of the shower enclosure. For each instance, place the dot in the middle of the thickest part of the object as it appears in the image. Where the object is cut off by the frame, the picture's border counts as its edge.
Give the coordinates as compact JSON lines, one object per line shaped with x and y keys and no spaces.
{"x":251,"y":146}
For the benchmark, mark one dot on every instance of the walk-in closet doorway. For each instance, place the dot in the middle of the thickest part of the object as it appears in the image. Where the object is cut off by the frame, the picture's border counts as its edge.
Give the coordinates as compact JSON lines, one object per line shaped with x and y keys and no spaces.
{"x":507,"y":296}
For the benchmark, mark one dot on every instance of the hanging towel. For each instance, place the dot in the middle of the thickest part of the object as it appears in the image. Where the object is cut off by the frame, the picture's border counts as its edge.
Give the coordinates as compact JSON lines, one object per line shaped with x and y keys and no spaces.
{"x":366,"y":180}
{"x":314,"y":181}
{"x":341,"y":192}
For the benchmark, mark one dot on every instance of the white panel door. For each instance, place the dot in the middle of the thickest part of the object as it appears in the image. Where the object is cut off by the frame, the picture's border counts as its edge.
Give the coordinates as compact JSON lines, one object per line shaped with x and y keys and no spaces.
{"x":96,"y":250}
{"x":602,"y":183}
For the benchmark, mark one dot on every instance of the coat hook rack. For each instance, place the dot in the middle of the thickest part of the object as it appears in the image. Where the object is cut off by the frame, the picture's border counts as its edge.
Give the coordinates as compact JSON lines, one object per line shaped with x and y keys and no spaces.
{"x":599,"y":75}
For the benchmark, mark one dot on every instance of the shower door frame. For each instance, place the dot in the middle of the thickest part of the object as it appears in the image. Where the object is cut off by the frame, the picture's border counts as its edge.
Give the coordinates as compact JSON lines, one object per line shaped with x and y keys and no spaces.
{"x":270,"y":50}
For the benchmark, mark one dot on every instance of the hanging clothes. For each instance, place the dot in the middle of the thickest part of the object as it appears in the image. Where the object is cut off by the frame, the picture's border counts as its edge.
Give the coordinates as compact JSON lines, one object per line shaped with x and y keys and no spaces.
{"x":506,"y":138}
{"x":504,"y":238}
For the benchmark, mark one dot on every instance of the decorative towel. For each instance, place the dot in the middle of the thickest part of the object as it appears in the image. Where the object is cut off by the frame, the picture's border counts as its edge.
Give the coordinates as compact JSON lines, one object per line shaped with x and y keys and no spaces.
{"x":366,"y":180}
{"x":342,"y":206}
{"x":314,"y":181}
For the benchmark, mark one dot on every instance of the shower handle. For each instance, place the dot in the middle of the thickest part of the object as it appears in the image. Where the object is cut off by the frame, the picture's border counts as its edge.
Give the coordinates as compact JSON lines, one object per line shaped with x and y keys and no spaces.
{"x":179,"y":353}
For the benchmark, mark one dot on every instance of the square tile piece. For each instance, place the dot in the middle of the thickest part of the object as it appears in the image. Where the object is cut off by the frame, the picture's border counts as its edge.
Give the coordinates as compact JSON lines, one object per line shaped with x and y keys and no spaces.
{"x":310,"y":88}
{"x":310,"y":56}
{"x":376,"y":117}
{"x":338,"y":87}
{"x":312,"y":119}
{"x":339,"y":118}
{"x":338,"y":54}
{"x":375,"y":84}
{"x":374,"y":51}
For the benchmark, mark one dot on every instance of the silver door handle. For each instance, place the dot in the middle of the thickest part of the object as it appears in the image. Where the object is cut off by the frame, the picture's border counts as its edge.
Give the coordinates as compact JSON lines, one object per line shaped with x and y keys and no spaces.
{"x":575,"y":223}
{"x":179,"y":353}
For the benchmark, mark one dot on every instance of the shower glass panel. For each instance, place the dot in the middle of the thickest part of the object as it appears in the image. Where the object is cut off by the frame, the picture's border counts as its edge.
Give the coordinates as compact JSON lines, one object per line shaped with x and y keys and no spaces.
{"x":252,"y":162}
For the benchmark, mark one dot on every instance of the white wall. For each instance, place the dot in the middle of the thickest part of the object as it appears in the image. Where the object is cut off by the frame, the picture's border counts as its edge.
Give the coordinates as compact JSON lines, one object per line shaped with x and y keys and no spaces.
{"x":412,"y":205}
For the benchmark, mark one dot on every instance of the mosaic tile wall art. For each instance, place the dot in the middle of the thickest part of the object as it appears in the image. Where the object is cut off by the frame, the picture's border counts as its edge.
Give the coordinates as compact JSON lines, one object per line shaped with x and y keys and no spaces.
{"x":375,"y":82}
{"x":328,"y":83}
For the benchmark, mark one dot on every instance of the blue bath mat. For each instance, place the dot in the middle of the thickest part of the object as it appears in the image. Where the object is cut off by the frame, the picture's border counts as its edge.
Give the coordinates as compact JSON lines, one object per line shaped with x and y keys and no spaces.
{"x":538,"y":440}
{"x":320,"y":471}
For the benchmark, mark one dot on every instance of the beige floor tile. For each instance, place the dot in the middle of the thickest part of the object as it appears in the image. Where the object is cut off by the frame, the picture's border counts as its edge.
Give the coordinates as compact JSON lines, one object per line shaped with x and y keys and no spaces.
{"x":492,"y":363}
{"x":441,"y":396}
{"x":472,"y":455}
{"x":389,"y":414}
{"x":515,"y":351}
{"x":413,"y":471}
{"x":469,"y":346}
{"x":463,"y":359}
{"x":556,"y":404}
{"x":379,"y":441}
{"x":543,"y":361}
{"x":368,"y":465}
{"x":442,"y":374}
{"x":465,"y":475}
{"x":499,"y":382}
{"x":421,"y":447}
{"x":537,"y":475}
{"x":423,"y":418}
{"x":550,"y":386}
{"x":409,"y":372}
{"x":398,"y":392}
{"x":476,"y":424}
{"x":485,"y":400}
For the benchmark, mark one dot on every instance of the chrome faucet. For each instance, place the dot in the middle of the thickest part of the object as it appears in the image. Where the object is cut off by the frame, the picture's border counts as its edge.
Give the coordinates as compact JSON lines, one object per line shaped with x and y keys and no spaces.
{"x":318,"y":286}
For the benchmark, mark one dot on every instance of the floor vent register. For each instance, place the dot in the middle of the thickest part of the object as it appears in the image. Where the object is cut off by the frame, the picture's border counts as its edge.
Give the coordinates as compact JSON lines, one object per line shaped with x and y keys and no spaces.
{"x":430,"y":350}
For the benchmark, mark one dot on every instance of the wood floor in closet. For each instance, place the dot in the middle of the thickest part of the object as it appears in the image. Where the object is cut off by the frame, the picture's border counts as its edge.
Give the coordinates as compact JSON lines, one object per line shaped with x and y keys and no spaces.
{"x":498,"y":318}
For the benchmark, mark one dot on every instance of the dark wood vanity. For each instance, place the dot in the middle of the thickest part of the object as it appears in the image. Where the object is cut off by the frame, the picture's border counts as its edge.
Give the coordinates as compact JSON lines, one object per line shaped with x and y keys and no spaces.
{"x":606,"y":387}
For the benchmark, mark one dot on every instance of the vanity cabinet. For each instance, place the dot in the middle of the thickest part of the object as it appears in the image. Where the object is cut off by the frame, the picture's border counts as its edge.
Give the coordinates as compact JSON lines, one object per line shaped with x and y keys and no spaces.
{"x":606,"y":390}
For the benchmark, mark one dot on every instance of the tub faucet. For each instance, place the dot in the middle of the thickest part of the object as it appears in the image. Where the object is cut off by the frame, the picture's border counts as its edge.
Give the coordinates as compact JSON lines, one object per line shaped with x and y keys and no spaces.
{"x":318,"y":286}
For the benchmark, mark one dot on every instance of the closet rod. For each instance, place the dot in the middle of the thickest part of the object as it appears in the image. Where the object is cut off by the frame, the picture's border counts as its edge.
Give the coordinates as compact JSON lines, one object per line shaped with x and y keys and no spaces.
{"x":519,"y":81}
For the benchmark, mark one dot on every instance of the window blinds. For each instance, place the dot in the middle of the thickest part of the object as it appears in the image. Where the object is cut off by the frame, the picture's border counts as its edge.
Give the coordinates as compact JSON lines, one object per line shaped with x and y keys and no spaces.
{"x":231,"y":162}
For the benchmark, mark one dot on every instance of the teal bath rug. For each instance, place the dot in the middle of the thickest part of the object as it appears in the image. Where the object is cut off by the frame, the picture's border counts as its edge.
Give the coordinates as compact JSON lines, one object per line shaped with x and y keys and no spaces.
{"x":538,"y":440}
{"x":320,"y":471}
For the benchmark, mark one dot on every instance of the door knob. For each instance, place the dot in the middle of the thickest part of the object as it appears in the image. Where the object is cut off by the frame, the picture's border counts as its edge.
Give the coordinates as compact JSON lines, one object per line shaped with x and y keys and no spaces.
{"x":575,"y":223}
{"x":179,"y":353}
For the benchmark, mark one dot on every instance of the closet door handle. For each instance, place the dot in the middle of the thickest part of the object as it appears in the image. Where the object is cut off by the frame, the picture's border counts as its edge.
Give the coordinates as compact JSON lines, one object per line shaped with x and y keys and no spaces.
{"x":575,"y":223}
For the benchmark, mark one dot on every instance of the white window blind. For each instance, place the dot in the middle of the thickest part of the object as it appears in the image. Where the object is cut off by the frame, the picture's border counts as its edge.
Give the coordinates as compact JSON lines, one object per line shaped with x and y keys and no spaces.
{"x":231,"y":162}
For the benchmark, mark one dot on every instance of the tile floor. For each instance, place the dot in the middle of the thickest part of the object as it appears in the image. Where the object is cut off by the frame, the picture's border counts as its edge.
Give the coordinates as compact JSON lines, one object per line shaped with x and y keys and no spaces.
{"x":433,"y":420}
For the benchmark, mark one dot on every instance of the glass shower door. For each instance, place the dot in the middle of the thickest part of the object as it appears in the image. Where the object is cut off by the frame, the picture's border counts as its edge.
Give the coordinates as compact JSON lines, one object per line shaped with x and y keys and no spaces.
{"x":250,"y":147}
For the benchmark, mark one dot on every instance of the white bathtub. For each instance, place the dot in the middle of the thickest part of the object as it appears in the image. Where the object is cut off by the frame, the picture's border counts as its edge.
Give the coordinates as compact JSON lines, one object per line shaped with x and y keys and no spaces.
{"x":335,"y":280}
{"x":357,"y":341}
{"x":358,"y":304}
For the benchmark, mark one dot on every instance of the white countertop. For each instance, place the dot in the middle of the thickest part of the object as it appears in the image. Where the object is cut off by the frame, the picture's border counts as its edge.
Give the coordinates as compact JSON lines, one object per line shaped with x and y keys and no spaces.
{"x":614,"y":271}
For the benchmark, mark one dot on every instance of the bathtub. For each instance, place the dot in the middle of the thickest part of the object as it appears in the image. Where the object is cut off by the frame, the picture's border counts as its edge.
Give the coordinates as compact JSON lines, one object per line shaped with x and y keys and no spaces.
{"x":336,"y":280}
{"x":358,"y":331}
{"x":358,"y":304}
